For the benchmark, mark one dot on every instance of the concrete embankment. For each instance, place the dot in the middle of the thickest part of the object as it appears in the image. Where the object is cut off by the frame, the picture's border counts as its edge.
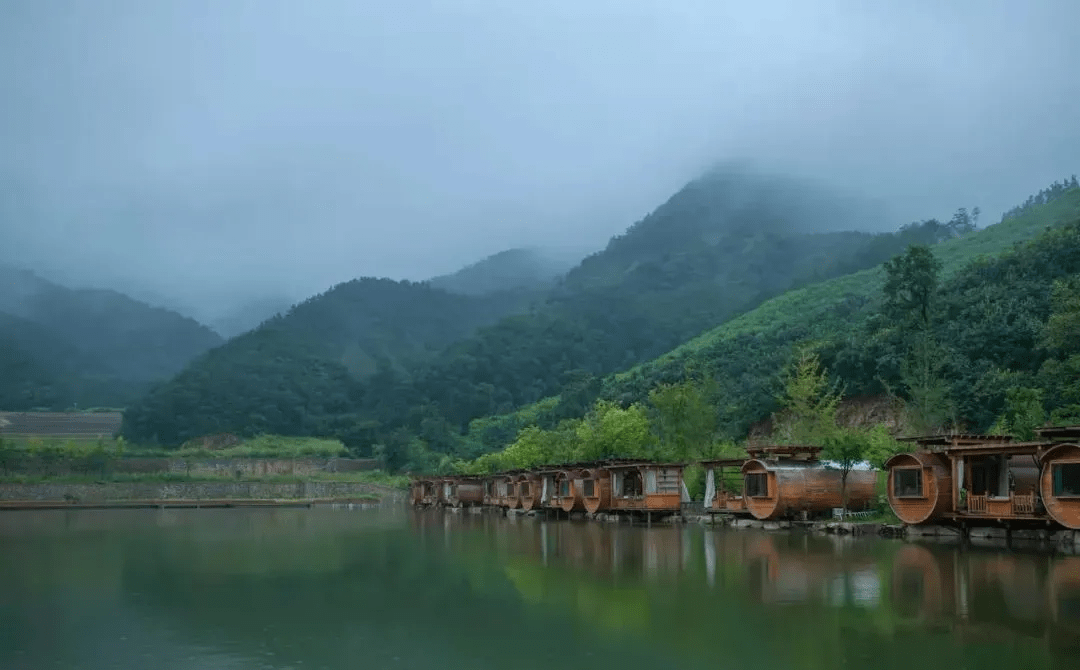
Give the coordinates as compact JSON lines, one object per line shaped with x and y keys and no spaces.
{"x":203,"y":494}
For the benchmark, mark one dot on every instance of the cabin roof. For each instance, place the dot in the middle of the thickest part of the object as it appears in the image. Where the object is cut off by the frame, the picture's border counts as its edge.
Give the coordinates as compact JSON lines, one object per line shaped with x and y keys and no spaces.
{"x":998,"y":448}
{"x":1059,"y":432}
{"x":725,"y":462}
{"x":791,"y":464}
{"x":956,"y":439}
{"x":790,"y":450}
{"x":644,"y":464}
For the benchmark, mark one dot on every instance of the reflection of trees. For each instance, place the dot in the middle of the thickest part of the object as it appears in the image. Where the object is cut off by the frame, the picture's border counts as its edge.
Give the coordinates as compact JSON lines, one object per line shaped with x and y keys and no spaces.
{"x":466,"y":590}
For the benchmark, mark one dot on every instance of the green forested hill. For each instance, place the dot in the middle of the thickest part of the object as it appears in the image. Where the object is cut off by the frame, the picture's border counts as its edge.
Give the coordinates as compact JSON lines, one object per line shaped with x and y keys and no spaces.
{"x":92,"y":347}
{"x":527,"y":270}
{"x":301,"y":372}
{"x":719,"y":247}
{"x":989,"y":315}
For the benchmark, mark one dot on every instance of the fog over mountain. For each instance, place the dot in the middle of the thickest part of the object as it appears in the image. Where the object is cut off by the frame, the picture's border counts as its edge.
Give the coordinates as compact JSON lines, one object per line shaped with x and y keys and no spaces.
{"x":223,"y":154}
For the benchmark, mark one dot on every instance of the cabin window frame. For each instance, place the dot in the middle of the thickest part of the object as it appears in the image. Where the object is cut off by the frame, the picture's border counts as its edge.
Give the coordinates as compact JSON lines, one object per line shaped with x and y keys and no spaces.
{"x":588,"y":488}
{"x":1058,"y":467}
{"x":564,"y":488}
{"x":749,"y":491}
{"x":904,"y":469}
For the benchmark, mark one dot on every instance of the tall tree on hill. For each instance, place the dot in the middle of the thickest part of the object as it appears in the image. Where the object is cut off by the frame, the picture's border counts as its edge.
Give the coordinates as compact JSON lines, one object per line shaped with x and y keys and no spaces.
{"x":911,"y":281}
{"x":683,"y":419}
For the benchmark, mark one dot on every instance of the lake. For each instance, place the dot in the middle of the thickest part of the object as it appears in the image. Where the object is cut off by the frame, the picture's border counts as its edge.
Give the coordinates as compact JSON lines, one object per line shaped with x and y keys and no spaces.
{"x":392,"y":588}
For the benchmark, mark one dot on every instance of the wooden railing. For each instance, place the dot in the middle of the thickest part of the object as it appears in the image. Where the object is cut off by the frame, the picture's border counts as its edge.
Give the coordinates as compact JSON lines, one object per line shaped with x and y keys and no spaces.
{"x":976,"y":504}
{"x":1024,"y":503}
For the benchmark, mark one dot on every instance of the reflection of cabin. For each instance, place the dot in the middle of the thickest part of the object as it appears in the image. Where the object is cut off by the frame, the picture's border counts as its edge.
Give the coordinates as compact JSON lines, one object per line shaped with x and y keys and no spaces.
{"x":1059,"y":481}
{"x":646,"y":487}
{"x":465,"y":492}
{"x":723,"y":485}
{"x":785,"y":481}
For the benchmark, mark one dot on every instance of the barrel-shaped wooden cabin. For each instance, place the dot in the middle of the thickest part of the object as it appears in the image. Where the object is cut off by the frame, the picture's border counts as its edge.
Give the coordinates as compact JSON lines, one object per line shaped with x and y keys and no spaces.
{"x":1059,"y":480}
{"x":785,"y":488}
{"x":646,"y":487}
{"x":465,"y":492}
{"x":529,"y":489}
{"x":513,"y":491}
{"x":568,"y":490}
{"x":919,"y":487}
{"x":596,"y":489}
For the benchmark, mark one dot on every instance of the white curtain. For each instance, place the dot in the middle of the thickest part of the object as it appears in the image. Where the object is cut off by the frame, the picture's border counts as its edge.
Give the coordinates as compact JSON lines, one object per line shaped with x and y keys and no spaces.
{"x":545,"y":491}
{"x":710,"y":488}
{"x":650,"y":481}
{"x":685,"y":497}
{"x":616,"y":483}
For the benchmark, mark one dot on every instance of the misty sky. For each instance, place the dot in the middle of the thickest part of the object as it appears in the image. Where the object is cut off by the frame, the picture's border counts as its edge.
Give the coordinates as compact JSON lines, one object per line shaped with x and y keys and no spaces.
{"x":210,"y":150}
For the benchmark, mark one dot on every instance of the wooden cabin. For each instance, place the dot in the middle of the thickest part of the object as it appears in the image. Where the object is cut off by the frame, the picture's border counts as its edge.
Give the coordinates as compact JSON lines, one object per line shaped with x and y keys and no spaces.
{"x":529,"y":490}
{"x":782,"y":482}
{"x":547,"y":481}
{"x":1059,"y":479}
{"x":416,"y":491}
{"x":722,"y":494}
{"x":646,"y":487}
{"x":996,"y":479}
{"x":430,"y":492}
{"x":513,"y":491}
{"x":596,"y":489}
{"x":987,"y":478}
{"x":465,"y":492}
{"x":919,"y":487}
{"x":568,"y":492}
{"x":504,"y":489}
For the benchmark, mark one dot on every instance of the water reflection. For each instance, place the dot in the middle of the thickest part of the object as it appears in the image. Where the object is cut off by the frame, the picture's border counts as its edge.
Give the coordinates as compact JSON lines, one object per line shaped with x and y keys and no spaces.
{"x":396,"y":589}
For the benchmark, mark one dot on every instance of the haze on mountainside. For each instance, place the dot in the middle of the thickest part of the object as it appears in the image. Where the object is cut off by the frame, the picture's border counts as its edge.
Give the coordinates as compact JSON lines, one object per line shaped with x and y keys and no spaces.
{"x":211,"y":156}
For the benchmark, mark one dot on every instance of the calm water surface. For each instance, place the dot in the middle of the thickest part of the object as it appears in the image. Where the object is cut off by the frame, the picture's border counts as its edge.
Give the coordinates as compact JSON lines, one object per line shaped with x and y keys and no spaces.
{"x":336,"y":588}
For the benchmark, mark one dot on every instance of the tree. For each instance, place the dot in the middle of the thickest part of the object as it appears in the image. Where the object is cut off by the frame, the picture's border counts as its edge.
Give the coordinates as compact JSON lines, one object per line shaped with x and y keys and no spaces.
{"x":683,"y":420}
{"x":1023,"y":415}
{"x":809,"y":402}
{"x":910,"y":282}
{"x":848,"y":447}
{"x":609,"y":430}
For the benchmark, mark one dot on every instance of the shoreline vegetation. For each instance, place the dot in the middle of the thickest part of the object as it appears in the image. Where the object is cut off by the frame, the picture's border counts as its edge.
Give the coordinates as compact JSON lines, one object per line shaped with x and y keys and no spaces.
{"x":105,"y":463}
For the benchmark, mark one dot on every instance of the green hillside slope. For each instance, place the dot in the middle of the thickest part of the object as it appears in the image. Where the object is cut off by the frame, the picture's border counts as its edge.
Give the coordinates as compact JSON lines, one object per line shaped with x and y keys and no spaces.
{"x":720,"y":246}
{"x":743,"y":357}
{"x":65,"y":346}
